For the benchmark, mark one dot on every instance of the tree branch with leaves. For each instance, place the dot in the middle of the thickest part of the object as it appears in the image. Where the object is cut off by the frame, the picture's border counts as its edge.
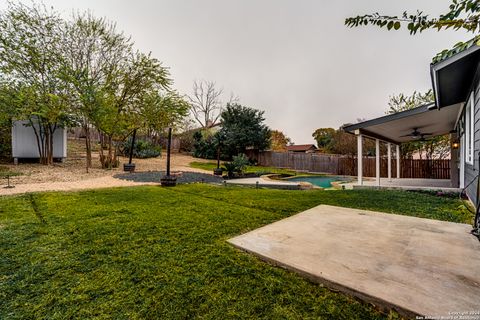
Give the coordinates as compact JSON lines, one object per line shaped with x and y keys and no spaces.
{"x":31,"y":60}
{"x":461,"y":14}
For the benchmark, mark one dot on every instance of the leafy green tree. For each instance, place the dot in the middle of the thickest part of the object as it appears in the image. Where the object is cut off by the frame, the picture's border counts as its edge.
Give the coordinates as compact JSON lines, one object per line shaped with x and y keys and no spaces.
{"x":8,"y":108}
{"x":121,"y":101}
{"x":402,"y":102}
{"x":243,"y":128}
{"x":31,"y":60}
{"x":279,"y":141}
{"x":205,"y":144}
{"x":93,"y":49}
{"x":461,"y":14}
{"x":338,"y":141}
{"x":81,"y":70}
{"x":161,"y":110}
{"x":324,"y":137}
{"x":117,"y":90}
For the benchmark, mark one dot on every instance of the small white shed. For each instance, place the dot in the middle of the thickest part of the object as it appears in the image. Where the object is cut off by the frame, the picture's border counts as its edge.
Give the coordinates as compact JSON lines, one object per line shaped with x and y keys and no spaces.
{"x":24,"y":142}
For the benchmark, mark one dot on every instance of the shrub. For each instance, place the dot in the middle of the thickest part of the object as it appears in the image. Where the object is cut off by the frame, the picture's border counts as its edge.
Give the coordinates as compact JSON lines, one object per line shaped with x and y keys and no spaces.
{"x":142,"y":149}
{"x":238,"y":165}
{"x":241,"y":162}
{"x":204,"y":145}
{"x":187,"y":141}
{"x":230,"y":168}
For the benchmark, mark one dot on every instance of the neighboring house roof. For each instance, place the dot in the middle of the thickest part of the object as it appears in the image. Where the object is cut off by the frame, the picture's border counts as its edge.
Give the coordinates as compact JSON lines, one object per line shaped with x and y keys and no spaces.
{"x":453,"y":72}
{"x":301,"y":147}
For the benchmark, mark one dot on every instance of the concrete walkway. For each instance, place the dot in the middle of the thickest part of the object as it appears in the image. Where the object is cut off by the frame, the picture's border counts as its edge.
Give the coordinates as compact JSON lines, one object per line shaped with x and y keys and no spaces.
{"x":265,"y":183}
{"x":416,"y":266}
{"x":87,"y":184}
{"x":405,"y":184}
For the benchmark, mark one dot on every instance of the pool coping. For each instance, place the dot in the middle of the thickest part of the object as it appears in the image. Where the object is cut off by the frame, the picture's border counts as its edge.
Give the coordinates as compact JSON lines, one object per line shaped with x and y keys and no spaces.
{"x":336,"y":185}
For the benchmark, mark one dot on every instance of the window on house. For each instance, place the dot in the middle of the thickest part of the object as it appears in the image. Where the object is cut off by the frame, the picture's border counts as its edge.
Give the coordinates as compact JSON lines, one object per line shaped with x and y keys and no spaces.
{"x":469,"y":129}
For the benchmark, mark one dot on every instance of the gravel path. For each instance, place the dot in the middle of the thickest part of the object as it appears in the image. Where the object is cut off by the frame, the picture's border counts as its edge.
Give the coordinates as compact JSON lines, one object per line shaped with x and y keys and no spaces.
{"x":154,"y":177}
{"x":72,"y":176}
{"x":101,"y":182}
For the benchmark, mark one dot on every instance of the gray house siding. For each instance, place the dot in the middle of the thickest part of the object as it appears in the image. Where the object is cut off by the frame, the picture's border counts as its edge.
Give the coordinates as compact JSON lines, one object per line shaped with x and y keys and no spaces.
{"x":472,"y":171}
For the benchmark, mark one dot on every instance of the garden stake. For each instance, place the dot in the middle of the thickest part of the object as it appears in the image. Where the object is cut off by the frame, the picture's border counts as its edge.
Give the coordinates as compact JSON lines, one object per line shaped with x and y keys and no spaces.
{"x":132,"y":146}
{"x":130,"y":167}
{"x":8,"y":183}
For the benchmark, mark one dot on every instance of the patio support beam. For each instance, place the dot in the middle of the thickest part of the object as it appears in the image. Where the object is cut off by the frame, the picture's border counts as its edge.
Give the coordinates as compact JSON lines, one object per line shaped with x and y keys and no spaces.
{"x":360,"y":159}
{"x":389,"y":165}
{"x":373,"y":135}
{"x":397,"y":152}
{"x":377,"y":162}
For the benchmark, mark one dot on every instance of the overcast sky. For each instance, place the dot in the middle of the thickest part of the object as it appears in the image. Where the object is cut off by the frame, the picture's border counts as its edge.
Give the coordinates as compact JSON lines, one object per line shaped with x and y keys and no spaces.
{"x":294,"y":59}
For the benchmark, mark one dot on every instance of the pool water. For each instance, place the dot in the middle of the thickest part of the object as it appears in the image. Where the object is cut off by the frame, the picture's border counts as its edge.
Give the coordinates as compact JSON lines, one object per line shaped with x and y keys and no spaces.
{"x":319,"y":181}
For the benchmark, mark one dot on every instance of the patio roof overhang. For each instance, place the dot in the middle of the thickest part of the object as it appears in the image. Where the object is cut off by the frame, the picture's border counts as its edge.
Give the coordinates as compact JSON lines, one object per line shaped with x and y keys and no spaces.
{"x":452,"y":78}
{"x":394,"y":128}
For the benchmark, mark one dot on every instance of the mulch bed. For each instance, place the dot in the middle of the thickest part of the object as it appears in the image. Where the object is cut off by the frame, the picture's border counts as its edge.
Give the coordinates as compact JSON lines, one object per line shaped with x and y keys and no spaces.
{"x":155,"y":176}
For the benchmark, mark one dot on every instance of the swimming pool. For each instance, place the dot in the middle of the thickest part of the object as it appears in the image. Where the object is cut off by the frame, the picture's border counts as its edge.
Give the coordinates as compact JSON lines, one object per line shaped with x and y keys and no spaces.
{"x":319,"y":181}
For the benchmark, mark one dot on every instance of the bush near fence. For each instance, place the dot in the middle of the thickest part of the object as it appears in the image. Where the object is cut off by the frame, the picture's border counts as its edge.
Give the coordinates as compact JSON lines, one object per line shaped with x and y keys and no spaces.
{"x":343,"y":165}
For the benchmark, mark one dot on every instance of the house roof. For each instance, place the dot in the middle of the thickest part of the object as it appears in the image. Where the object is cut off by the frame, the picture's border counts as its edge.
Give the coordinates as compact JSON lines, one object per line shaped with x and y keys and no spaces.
{"x":395,"y":128}
{"x":453,"y":73}
{"x":457,"y":48}
{"x":301,"y":147}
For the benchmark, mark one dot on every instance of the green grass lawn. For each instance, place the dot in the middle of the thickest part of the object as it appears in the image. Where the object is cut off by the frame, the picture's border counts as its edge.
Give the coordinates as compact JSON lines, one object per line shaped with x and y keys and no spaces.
{"x":209,"y":166}
{"x":151,"y":252}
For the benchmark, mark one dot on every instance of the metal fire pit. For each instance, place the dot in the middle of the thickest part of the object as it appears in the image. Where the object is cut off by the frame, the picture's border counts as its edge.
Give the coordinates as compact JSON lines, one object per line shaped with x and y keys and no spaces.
{"x":129,"y":167}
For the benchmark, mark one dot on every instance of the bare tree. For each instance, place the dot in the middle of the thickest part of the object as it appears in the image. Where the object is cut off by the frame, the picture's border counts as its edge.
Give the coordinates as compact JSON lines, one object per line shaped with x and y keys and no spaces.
{"x":206,"y":104}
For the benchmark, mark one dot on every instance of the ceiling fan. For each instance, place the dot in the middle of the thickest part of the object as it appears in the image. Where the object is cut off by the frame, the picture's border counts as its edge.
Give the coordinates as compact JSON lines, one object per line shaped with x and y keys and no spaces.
{"x":416,"y":134}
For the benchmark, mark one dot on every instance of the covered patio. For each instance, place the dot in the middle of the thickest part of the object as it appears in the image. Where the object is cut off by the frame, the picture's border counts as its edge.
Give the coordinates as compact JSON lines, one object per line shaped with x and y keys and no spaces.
{"x":420,"y":123}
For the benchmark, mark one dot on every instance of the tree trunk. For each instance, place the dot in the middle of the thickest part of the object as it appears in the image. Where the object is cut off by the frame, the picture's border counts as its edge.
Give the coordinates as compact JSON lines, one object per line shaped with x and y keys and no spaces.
{"x":109,"y":160}
{"x":51,"y":131}
{"x":88,"y":146}
{"x":39,"y":138}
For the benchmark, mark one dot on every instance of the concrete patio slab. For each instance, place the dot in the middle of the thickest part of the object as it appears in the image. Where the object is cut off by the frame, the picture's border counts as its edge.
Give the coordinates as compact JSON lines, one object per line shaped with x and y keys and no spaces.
{"x":416,"y":266}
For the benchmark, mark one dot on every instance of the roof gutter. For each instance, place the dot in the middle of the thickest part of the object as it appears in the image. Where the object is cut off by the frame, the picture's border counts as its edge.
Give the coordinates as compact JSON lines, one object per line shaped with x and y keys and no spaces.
{"x":433,"y":74}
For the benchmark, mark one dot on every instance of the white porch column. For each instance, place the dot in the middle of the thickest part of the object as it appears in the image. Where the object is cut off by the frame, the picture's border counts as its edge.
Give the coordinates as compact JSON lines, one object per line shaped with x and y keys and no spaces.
{"x":389,"y":165}
{"x":377,"y":161}
{"x":397,"y":151}
{"x":360,"y":159}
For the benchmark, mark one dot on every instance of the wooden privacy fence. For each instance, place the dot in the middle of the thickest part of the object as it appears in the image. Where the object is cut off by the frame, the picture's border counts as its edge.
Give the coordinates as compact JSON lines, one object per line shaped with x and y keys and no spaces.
{"x":342,"y":165}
